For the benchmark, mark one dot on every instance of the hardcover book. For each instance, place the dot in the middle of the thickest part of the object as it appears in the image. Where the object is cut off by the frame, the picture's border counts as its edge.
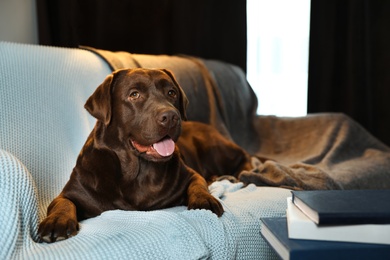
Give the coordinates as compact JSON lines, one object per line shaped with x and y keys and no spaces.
{"x":274,"y":231}
{"x":344,"y":206}
{"x":302,"y":227}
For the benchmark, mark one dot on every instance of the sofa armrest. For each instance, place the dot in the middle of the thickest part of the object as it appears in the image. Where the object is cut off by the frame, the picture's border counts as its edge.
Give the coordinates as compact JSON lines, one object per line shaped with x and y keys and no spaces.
{"x":18,"y":204}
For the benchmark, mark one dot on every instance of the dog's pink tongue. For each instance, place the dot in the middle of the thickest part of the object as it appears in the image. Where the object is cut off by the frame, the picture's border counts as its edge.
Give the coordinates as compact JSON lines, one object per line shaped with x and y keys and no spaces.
{"x":165,"y":147}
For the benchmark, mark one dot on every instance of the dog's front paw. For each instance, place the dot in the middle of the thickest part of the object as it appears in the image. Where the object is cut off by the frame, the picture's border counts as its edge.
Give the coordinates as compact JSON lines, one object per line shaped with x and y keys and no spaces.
{"x":56,"y":228}
{"x":205,"y":201}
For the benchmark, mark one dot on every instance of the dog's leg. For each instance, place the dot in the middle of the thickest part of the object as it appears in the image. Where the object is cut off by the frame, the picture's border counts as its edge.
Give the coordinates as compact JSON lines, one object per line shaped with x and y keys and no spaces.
{"x":61,"y":221}
{"x":199,"y":196}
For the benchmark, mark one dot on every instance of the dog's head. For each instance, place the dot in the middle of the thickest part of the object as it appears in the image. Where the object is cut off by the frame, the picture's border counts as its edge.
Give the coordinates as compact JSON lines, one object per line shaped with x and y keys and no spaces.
{"x":141,"y":109}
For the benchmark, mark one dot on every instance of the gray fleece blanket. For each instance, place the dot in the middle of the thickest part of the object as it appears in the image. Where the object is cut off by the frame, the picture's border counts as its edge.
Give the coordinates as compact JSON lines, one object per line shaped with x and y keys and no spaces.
{"x":318,"y":151}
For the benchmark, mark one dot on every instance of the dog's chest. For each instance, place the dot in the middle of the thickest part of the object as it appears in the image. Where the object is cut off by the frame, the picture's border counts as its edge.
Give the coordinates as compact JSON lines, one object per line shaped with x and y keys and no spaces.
{"x":156,"y":185}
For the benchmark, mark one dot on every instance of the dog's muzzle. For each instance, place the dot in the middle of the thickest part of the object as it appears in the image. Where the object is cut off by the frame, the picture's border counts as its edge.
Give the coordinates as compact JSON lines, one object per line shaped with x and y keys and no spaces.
{"x":163,"y":148}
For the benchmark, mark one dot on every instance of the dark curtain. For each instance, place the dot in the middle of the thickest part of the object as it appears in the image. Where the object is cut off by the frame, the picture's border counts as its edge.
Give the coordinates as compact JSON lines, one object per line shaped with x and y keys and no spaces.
{"x":213,"y":29}
{"x":349,"y":61}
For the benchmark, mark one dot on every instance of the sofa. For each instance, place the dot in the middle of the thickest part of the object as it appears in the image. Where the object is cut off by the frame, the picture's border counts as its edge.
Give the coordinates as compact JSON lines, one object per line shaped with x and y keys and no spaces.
{"x":43,"y":125}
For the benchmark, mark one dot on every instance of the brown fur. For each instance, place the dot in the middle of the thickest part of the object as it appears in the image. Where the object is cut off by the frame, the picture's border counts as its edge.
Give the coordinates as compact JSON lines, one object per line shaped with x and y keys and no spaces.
{"x":140,"y":106}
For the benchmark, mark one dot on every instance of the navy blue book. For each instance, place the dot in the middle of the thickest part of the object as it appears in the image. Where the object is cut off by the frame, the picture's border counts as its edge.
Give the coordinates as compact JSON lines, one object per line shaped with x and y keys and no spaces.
{"x":274,"y":231}
{"x":336,"y":207}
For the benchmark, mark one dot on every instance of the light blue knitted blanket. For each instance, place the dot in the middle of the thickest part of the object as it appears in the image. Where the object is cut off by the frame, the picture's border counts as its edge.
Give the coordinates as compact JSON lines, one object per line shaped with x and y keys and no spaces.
{"x":174,"y":233}
{"x":43,"y":126}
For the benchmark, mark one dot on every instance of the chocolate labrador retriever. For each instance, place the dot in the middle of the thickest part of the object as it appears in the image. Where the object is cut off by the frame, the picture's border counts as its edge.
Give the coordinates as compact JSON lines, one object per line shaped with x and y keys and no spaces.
{"x":134,"y":159}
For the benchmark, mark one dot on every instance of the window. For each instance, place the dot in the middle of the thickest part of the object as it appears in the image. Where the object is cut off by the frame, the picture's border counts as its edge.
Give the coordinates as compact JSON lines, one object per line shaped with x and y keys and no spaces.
{"x":277,"y":57}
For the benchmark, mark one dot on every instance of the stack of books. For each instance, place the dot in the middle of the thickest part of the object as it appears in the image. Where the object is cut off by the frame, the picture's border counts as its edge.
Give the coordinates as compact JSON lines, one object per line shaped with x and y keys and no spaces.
{"x":348,"y":224}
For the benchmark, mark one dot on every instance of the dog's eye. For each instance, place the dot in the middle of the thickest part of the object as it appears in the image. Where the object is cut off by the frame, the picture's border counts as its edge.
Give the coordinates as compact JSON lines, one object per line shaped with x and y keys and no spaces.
{"x":172,"y":93}
{"x":134,"y":95}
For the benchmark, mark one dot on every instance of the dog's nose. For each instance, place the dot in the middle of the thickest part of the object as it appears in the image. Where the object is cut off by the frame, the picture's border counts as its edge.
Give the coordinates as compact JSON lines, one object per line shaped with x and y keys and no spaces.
{"x":168,"y":118}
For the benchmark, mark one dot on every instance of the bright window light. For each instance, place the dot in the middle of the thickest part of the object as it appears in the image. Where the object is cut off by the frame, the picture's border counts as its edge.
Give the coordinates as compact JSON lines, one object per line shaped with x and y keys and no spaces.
{"x":277,"y":57}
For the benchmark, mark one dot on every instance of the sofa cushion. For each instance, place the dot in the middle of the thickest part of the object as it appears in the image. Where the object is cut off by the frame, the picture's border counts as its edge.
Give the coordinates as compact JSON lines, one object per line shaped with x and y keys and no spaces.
{"x":43,"y":121}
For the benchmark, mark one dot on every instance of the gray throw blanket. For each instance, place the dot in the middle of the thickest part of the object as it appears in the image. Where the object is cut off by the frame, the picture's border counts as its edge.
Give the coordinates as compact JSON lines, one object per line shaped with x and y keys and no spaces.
{"x":319,"y":151}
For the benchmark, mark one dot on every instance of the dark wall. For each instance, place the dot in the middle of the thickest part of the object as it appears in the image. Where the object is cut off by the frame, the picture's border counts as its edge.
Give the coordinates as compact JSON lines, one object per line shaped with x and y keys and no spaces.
{"x":214,"y":29}
{"x":349,"y":64}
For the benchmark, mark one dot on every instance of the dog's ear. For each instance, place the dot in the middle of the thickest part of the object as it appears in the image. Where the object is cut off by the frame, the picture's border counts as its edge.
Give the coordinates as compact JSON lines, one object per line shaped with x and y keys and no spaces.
{"x":183,"y":102}
{"x":99,"y":103}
